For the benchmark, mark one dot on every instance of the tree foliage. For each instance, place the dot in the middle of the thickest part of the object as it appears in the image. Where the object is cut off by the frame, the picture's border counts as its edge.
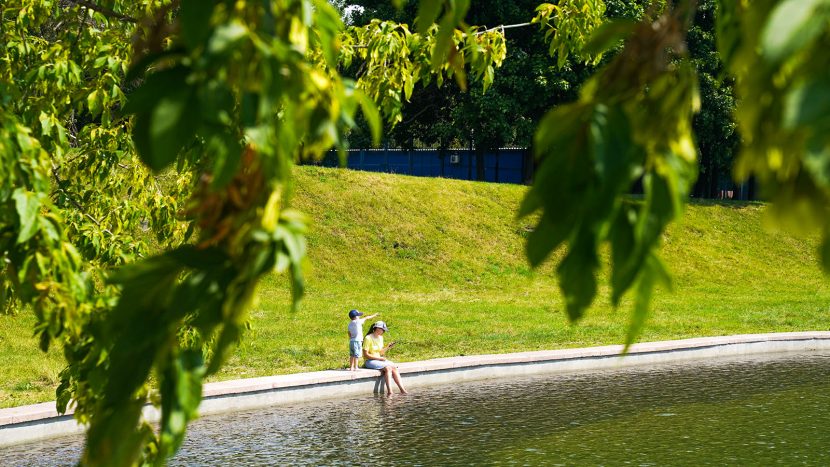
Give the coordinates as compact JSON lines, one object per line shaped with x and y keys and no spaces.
{"x":527,"y":84}
{"x":145,"y":182}
{"x":715,"y":129}
{"x":778,"y":53}
{"x":632,"y":120}
{"x":182,"y":119}
{"x":393,"y":59}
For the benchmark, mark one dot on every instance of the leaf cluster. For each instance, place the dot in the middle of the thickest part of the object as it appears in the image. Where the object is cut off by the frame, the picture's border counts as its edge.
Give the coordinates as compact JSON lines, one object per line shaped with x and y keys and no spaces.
{"x":777,"y":52}
{"x":632,"y":122}
{"x":392,"y":60}
{"x":568,"y":25}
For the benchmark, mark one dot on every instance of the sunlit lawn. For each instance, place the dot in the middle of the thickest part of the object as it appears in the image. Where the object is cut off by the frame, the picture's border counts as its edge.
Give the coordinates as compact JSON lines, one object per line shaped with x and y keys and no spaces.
{"x":442,"y":261}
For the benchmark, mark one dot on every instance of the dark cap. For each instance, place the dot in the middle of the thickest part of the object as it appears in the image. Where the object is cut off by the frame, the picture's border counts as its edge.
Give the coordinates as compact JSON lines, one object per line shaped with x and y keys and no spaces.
{"x":354,"y":313}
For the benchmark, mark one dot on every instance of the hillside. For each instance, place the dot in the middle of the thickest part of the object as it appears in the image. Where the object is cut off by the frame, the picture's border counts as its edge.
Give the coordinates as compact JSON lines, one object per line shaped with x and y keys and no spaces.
{"x":443,"y":262}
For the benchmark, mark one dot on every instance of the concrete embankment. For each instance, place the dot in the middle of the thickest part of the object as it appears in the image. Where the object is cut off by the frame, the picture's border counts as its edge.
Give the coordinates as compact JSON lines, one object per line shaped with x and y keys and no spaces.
{"x":39,"y":421}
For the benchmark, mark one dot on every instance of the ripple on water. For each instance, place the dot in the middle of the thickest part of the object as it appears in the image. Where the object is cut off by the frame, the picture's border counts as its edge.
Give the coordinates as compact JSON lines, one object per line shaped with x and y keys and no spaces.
{"x":756,"y":410}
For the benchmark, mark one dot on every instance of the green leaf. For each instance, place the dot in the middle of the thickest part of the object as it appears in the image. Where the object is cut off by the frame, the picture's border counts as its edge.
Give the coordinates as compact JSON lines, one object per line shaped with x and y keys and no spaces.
{"x":659,"y":210}
{"x":372,"y":115}
{"x":428,"y":11}
{"x":626,"y":256}
{"x":44,"y":342}
{"x":557,"y":128}
{"x":27,"y":205}
{"x":817,"y":159}
{"x":792,"y":24}
{"x":728,"y":29}
{"x":808,"y":104}
{"x":45,"y":124}
{"x":608,"y":35}
{"x":443,"y":42}
{"x":216,"y":103}
{"x":194,"y":16}
{"x":181,"y":394}
{"x":155,"y":86}
{"x":190,"y":257}
{"x":93,"y":104}
{"x":297,"y":285}
{"x":328,"y":25}
{"x":645,"y":287}
{"x":226,"y":151}
{"x":112,"y":438}
{"x":172,"y":126}
{"x":165,"y":106}
{"x":249,"y":109}
{"x":612,"y":148}
{"x":530,"y":204}
{"x":226,"y":37}
{"x":229,"y":335}
{"x":577,"y":274}
{"x":138,"y":69}
{"x":545,"y":238}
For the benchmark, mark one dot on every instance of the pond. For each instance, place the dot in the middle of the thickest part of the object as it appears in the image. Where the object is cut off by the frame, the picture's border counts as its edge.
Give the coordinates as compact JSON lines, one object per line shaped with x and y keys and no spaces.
{"x":752,"y":410}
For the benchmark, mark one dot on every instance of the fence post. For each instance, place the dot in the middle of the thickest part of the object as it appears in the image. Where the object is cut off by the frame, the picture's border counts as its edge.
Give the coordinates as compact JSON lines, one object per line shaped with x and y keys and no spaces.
{"x":441,"y":156}
{"x":386,"y":156}
{"x":470,"y":161}
{"x":498,"y":151}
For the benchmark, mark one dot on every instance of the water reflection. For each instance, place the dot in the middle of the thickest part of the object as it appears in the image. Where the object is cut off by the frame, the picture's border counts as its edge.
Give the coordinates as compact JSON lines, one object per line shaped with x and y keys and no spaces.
{"x":756,"y":411}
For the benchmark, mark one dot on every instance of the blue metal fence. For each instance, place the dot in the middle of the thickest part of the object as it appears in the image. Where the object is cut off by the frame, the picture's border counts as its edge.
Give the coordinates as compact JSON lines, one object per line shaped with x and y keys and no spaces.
{"x":504,"y":165}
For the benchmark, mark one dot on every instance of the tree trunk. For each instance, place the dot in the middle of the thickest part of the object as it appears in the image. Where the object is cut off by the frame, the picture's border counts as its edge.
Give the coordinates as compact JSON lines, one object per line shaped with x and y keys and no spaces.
{"x":480,"y":164}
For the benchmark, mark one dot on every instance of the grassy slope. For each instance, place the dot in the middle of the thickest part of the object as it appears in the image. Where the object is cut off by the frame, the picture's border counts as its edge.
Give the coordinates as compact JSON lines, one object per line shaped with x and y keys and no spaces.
{"x":442,"y":261}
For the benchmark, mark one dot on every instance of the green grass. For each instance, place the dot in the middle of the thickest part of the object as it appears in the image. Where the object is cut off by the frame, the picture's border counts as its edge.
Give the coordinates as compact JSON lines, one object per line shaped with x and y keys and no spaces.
{"x":443,"y":262}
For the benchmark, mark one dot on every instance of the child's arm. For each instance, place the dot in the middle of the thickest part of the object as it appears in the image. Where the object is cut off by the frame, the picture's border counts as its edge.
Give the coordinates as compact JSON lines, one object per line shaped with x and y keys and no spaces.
{"x":370,"y":316}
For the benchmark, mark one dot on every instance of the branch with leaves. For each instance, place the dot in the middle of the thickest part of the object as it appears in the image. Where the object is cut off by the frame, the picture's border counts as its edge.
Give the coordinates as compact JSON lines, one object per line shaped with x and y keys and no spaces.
{"x":632,"y":121}
{"x":393,"y":60}
{"x":568,"y":26}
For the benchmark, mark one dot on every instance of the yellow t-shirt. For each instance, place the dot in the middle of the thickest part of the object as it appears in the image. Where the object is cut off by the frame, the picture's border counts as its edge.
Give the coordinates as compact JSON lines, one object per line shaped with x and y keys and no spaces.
{"x":373,"y":345}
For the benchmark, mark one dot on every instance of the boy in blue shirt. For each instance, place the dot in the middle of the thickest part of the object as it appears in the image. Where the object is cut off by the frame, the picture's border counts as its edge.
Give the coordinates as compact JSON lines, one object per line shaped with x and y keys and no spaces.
{"x":356,"y":337}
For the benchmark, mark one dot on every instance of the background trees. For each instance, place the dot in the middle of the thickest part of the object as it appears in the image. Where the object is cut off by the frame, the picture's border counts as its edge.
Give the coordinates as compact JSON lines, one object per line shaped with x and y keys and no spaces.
{"x":531,"y":81}
{"x":528,"y":83}
{"x":715,"y":129}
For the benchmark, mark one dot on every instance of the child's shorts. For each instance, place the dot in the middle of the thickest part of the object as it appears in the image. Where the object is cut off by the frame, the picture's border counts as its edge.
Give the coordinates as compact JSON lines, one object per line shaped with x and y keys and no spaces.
{"x":355,"y":348}
{"x":377,"y":364}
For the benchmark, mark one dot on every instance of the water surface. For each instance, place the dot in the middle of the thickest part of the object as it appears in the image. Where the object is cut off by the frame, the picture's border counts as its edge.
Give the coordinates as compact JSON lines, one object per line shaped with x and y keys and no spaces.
{"x":748,"y":411}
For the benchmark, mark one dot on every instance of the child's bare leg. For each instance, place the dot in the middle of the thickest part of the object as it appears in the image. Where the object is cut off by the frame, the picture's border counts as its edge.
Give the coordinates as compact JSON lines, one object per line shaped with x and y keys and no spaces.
{"x":388,"y":377}
{"x":397,"y":377}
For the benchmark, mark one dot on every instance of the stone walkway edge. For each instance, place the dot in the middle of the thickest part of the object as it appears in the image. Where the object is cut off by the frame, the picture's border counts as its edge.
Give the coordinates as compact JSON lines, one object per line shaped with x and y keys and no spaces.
{"x":33,"y":422}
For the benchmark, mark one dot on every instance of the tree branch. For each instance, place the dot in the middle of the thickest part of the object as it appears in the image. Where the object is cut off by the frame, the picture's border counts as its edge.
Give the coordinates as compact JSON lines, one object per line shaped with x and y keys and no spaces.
{"x":103,"y":10}
{"x":424,"y":109}
{"x":76,"y":203}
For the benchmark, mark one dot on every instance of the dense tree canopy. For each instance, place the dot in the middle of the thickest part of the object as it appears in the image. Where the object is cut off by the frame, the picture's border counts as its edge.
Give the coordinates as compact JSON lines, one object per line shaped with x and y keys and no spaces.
{"x":528,"y":84}
{"x":531,"y":81}
{"x":146,"y":151}
{"x":714,"y":126}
